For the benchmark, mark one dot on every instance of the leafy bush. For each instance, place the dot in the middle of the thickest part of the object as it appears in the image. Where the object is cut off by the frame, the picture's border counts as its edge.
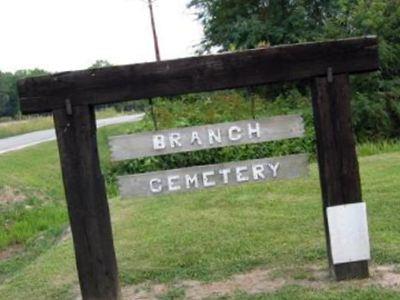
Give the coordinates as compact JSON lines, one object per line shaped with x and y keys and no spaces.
{"x":376,"y":108}
{"x":375,"y":118}
{"x":220,"y":107}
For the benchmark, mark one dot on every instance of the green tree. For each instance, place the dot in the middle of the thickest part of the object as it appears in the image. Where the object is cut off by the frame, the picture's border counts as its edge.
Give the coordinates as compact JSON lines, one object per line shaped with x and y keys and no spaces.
{"x":9,"y":104}
{"x":8,"y":96}
{"x":242,"y":24}
{"x":100,"y":63}
{"x":376,"y":97}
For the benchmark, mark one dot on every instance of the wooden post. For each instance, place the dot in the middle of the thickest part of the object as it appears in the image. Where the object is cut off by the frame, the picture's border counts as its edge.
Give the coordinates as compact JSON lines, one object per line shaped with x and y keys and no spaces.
{"x":337,"y":158}
{"x":87,"y":202}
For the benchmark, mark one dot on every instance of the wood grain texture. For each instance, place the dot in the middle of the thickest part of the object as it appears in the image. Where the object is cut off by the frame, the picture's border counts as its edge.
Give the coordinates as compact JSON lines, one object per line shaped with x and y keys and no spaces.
{"x":198,"y":74}
{"x":269,"y":129}
{"x":337,"y":158}
{"x":291,"y":166}
{"x":87,"y":203}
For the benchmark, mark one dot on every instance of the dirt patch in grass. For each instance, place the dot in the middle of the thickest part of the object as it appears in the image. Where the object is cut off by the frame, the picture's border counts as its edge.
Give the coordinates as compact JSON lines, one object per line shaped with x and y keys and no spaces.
{"x":387,"y":276}
{"x":261,"y":281}
{"x":65,"y":235}
{"x":10,"y":251}
{"x":9,"y":195}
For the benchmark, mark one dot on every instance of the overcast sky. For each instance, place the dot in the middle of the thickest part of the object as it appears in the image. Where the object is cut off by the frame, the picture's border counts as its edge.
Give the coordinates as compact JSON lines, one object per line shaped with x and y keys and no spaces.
{"x":61,"y":35}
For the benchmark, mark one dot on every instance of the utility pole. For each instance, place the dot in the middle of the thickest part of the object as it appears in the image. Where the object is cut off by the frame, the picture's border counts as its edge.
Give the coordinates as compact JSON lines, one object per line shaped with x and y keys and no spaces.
{"x":153,"y":27}
{"x":158,"y":57}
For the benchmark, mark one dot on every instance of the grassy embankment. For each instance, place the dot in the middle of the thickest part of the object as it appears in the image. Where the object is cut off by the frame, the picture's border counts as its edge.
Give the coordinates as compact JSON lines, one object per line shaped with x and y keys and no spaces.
{"x":206,"y":235}
{"x":30,"y":124}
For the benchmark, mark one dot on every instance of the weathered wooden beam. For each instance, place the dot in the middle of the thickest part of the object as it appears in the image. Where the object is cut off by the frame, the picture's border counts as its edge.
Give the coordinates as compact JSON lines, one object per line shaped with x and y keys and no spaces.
{"x":196,"y":138}
{"x":208,"y":176}
{"x":87,"y":203}
{"x":337,"y":158}
{"x":198,"y":74}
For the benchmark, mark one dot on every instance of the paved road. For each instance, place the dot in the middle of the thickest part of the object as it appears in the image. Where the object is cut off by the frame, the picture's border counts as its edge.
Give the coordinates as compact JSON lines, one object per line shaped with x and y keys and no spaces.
{"x":33,"y":138}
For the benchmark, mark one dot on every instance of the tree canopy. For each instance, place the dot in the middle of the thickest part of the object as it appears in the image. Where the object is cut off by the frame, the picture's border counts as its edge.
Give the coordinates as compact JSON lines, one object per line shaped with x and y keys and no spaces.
{"x":9,"y":105}
{"x":245,"y":24}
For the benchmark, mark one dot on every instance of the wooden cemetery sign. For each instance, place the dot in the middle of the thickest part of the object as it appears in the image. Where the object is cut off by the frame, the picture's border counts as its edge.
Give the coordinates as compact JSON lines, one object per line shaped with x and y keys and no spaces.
{"x":72,"y":96}
{"x":206,"y":137}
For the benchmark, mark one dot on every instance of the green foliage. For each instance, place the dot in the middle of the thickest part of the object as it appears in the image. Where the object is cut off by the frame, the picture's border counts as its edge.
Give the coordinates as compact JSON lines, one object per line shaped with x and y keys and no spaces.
{"x":371,"y":123}
{"x":8,"y":97}
{"x":220,"y":107}
{"x":25,"y":220}
{"x":376,"y":101}
{"x":9,"y":105}
{"x":9,"y":100}
{"x":376,"y":107}
{"x":246,"y":24}
{"x":368,"y":149}
{"x":362,"y":17}
{"x":233,"y":24}
{"x":33,"y":213}
{"x":100,"y":63}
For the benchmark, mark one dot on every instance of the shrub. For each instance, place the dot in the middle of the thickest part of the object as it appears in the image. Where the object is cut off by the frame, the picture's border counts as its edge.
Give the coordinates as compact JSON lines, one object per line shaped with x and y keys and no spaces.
{"x":219,"y":107}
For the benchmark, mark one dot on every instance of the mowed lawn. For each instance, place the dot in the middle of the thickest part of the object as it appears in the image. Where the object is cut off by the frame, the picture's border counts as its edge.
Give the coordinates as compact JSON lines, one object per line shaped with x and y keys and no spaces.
{"x":210,"y":235}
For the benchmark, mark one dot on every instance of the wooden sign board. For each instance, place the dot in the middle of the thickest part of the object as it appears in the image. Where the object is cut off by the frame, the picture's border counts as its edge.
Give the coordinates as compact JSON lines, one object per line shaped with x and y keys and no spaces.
{"x":205,"y":137}
{"x":201,"y":177}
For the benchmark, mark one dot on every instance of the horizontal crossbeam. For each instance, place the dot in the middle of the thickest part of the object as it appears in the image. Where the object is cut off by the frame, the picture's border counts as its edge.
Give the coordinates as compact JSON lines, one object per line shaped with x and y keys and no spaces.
{"x":198,"y":74}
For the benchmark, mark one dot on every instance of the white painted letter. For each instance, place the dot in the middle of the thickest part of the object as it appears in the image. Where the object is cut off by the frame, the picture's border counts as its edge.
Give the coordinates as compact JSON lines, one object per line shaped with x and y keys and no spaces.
{"x":158,"y":142}
{"x":239,"y":174}
{"x":174,"y":139}
{"x":171,"y":183}
{"x":254,"y":131}
{"x":192,"y":180}
{"x":274,"y":169}
{"x":206,"y":181}
{"x":258,"y":172}
{"x":225,"y":173}
{"x":153,"y":188}
{"x":195,"y":138}
{"x":231,"y":135}
{"x":212,"y":136}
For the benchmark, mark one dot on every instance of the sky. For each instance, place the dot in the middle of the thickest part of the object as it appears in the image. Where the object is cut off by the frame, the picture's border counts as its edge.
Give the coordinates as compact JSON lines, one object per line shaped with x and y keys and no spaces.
{"x":64,"y":35}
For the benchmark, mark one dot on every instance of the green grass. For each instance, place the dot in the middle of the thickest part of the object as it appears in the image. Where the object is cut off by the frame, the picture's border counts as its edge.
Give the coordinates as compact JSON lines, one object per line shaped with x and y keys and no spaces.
{"x":210,"y":235}
{"x":35,"y":223}
{"x":12,"y":128}
{"x":31,"y":124}
{"x":369,"y":148}
{"x":207,"y":235}
{"x":301,"y":293}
